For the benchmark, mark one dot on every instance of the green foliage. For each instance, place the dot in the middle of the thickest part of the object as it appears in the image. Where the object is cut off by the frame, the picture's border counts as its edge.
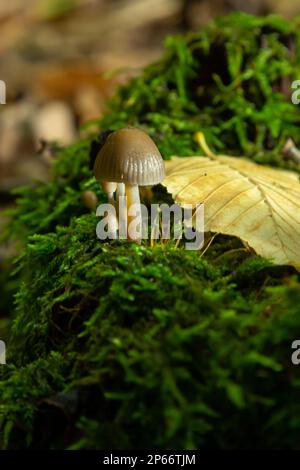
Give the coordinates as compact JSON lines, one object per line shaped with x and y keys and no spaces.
{"x":20,"y":388}
{"x":123,"y":346}
{"x":160,"y":347}
{"x":228,"y":81}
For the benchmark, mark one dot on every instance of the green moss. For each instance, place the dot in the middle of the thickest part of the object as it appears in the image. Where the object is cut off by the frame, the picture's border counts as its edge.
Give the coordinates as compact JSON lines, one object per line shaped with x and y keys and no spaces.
{"x":157,"y":346}
{"x":124,"y":346}
{"x":228,"y":81}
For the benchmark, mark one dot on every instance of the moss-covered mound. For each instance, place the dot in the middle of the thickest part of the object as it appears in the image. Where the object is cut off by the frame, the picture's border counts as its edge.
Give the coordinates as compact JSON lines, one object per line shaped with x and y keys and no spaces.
{"x":125,"y":346}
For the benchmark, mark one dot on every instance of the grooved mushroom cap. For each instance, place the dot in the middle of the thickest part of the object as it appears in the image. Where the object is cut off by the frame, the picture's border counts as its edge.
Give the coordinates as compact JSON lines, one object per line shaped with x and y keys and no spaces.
{"x":129,"y":156}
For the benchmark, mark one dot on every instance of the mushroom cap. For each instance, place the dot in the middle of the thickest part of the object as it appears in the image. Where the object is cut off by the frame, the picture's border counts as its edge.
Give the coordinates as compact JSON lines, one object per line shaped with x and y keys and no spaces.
{"x":129,"y":156}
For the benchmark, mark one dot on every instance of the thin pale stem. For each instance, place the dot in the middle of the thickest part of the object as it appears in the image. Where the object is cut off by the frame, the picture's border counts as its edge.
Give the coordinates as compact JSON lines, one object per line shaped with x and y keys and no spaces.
{"x":134,"y":230}
{"x":122,"y":210}
{"x":110,"y":188}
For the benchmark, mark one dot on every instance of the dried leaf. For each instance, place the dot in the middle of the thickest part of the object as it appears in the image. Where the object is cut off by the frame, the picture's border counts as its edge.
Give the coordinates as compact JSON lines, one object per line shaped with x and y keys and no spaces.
{"x":256,"y":203}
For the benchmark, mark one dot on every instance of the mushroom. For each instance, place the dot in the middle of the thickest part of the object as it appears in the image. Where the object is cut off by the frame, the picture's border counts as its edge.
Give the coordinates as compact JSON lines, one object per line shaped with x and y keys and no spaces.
{"x":89,"y":199}
{"x":129,"y":156}
{"x":290,"y":151}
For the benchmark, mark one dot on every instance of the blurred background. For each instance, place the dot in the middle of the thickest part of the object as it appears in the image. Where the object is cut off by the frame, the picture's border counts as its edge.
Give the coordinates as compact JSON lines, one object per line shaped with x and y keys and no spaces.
{"x":55,"y":56}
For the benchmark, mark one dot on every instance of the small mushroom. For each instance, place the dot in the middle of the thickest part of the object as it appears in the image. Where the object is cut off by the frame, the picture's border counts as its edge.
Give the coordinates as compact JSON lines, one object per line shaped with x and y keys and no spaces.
{"x":290,"y":151}
{"x":110,"y":188}
{"x":89,"y":199}
{"x":129,"y":156}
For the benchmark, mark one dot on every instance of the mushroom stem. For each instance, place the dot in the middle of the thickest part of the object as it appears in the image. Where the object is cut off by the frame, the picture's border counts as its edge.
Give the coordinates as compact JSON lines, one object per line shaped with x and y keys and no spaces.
{"x":121,"y":189}
{"x":122,"y":210}
{"x":133,"y":197}
{"x":111,"y":199}
{"x":110,"y":188}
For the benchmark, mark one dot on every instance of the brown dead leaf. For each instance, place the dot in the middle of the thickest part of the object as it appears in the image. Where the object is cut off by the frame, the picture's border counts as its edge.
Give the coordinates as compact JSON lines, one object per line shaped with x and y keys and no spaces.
{"x":256,"y":203}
